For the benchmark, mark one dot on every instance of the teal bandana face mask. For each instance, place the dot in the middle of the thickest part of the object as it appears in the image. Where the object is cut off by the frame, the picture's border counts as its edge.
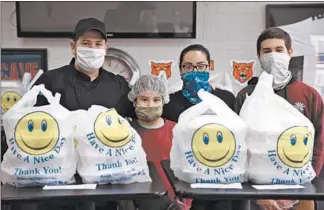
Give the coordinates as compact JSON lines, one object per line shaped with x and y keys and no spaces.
{"x":192,"y":83}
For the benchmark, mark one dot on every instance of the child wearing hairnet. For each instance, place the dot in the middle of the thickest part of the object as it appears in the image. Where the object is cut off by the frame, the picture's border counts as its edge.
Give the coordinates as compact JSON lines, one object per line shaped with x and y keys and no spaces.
{"x":148,"y":95}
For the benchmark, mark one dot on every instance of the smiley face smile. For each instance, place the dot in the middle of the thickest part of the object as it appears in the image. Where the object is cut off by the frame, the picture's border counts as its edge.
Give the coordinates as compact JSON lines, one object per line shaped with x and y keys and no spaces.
{"x":112,"y":130}
{"x":37,"y":133}
{"x":213,"y":145}
{"x":294,"y":146}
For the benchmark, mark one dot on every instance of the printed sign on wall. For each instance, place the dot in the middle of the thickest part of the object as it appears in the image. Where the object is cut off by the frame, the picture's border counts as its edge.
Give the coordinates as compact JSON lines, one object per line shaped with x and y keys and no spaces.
{"x":302,"y":25}
{"x":242,"y":71}
{"x":15,"y":62}
{"x":212,"y":65}
{"x":158,"y":66}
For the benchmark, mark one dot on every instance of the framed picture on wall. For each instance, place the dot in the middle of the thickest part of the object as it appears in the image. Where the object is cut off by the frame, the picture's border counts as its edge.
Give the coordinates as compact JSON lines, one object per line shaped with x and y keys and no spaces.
{"x":302,"y":22}
{"x":285,"y":14}
{"x":16,"y":61}
{"x":145,"y":19}
{"x":320,"y":58}
{"x":320,"y":50}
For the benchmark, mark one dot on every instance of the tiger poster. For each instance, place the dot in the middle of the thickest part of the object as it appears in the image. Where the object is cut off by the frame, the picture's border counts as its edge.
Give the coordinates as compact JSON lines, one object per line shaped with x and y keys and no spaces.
{"x":242,"y":71}
{"x":158,"y":66}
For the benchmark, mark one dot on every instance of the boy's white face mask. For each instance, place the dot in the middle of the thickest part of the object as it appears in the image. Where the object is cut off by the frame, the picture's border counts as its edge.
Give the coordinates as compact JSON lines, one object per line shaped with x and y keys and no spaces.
{"x":277,"y":64}
{"x":90,"y":59}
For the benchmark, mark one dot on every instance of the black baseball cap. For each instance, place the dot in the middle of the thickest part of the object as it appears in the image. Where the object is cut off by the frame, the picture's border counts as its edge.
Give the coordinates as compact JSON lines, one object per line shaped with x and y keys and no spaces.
{"x":87,"y":24}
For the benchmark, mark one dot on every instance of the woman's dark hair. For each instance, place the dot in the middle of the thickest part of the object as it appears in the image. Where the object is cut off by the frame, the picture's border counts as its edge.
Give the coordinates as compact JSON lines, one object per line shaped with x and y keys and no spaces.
{"x":194,"y":47}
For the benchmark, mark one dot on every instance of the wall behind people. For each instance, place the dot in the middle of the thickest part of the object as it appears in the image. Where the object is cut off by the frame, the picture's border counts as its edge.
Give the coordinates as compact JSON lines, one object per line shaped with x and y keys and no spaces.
{"x":228,"y":29}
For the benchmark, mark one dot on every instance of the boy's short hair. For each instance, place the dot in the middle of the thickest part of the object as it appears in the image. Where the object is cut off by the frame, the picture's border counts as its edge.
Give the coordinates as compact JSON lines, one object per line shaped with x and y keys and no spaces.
{"x":274,"y":33}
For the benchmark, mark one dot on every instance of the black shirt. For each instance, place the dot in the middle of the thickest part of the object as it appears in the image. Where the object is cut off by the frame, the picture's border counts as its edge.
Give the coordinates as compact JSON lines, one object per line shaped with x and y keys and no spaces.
{"x":79,"y":92}
{"x":178,"y":103}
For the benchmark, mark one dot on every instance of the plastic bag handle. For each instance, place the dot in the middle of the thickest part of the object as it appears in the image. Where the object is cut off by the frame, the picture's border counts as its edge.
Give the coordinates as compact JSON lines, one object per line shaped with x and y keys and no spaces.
{"x":25,"y":81}
{"x":193,"y":112}
{"x":264,"y":84}
{"x":30,"y":98}
{"x":32,"y":82}
{"x":209,"y":102}
{"x":135,"y":77}
{"x":216,"y":104}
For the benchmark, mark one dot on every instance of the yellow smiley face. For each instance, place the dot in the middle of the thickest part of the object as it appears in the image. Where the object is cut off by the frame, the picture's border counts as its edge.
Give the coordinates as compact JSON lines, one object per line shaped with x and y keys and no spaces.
{"x":8,"y":99}
{"x":37,"y":133}
{"x":112,"y":130}
{"x":213,"y":145}
{"x":295,"y":146}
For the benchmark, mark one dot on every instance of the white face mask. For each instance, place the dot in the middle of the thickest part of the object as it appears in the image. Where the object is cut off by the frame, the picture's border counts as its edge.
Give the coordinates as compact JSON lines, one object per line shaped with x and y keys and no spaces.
{"x":277,"y":64}
{"x":90,"y":59}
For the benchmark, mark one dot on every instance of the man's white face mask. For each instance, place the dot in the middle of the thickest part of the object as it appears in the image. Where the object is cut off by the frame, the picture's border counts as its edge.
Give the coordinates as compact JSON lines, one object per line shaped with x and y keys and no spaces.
{"x":277,"y":64}
{"x":90,"y":59}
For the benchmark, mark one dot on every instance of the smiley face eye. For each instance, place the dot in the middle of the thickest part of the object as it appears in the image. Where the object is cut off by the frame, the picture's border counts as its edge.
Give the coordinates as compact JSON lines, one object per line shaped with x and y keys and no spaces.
{"x":44,"y":125}
{"x":8,"y":99}
{"x":206,"y":138}
{"x":293,"y":140}
{"x":219,"y":137}
{"x":30,"y":126}
{"x":305,"y":140}
{"x":15,"y":99}
{"x":108,"y":120}
{"x":120,"y":120}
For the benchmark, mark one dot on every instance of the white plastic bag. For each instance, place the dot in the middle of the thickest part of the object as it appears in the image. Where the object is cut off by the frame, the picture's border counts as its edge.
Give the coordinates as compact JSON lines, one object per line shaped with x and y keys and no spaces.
{"x":110,"y":150}
{"x":280,"y":138}
{"x":40,"y":146}
{"x":208,"y":143}
{"x":12,"y":91}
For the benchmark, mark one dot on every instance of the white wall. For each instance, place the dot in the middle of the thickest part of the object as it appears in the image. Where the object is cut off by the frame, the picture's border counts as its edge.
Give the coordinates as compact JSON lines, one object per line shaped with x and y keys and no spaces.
{"x":228,"y":29}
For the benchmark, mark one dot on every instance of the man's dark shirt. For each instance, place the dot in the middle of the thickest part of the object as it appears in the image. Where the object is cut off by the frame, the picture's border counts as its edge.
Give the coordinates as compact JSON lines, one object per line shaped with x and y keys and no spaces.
{"x":79,"y":92}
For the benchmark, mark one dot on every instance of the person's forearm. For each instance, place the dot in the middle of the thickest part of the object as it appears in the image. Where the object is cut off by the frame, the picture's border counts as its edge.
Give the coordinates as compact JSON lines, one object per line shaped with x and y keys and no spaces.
{"x":303,"y":205}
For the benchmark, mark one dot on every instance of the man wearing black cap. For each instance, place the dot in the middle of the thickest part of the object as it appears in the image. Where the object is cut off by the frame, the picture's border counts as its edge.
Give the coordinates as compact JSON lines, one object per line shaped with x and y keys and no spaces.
{"x":83,"y":82}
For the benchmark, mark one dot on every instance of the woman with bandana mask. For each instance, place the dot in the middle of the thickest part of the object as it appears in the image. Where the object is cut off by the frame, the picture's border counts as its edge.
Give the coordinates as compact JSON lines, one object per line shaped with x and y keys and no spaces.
{"x":194,"y":69}
{"x":194,"y":66}
{"x":148,"y":95}
{"x":274,"y":52}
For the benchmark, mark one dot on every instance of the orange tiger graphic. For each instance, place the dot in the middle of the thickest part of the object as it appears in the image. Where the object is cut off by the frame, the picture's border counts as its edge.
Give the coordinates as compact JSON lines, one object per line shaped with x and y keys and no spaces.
{"x":242,"y":72}
{"x":157,"y":67}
